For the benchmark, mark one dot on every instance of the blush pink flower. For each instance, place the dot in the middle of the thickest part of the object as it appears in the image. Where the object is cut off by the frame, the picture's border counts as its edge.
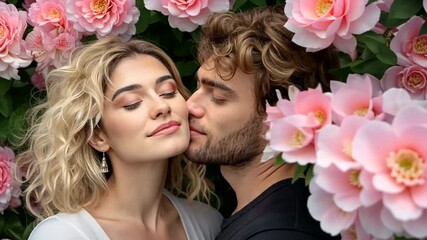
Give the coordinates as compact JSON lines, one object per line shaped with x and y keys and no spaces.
{"x":13,"y":53}
{"x":334,"y":144}
{"x":48,"y":14}
{"x":9,"y":189}
{"x":103,"y":17}
{"x":409,"y":46}
{"x":320,"y":23}
{"x":356,"y":97}
{"x":399,"y":166}
{"x":293,"y":136}
{"x":413,"y":79}
{"x":187,"y":15}
{"x":321,"y":206}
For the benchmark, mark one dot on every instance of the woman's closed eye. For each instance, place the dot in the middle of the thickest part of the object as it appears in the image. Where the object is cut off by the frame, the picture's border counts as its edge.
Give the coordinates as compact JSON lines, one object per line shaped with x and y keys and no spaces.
{"x":170,"y":94}
{"x":132,"y":106}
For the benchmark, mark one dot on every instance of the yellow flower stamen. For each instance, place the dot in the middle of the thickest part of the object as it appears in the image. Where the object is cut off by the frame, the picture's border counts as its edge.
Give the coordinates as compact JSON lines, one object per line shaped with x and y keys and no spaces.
{"x":354,"y":178}
{"x":99,"y":6}
{"x":54,"y":13}
{"x":320,"y":116}
{"x":416,"y":80}
{"x":1,"y":31}
{"x":322,"y":7}
{"x":406,"y":167}
{"x":361,"y":112}
{"x":298,"y":139}
{"x":419,"y":45}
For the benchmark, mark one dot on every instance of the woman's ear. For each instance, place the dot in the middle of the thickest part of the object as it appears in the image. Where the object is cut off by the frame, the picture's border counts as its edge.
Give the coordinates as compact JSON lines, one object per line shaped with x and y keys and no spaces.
{"x":98,"y":140}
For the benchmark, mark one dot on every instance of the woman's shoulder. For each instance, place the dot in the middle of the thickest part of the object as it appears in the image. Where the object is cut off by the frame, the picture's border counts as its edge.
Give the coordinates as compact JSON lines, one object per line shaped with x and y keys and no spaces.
{"x":200,"y":220}
{"x":65,"y":226}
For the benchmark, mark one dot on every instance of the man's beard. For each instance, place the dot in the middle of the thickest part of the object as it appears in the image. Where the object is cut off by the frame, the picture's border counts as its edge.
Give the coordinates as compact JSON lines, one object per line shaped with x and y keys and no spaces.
{"x":236,"y":148}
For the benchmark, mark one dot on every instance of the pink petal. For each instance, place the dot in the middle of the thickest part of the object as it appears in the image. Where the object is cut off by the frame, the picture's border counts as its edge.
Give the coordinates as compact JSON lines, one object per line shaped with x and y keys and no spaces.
{"x":401,"y":206}
{"x":365,"y":145}
{"x":417,"y":228}
{"x":370,"y":219}
{"x":367,"y":21}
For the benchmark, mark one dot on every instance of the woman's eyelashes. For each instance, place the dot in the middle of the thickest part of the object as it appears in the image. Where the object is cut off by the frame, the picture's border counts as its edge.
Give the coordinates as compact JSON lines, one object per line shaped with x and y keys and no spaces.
{"x":135,"y":105}
{"x":132,"y":106}
{"x":169,"y":94}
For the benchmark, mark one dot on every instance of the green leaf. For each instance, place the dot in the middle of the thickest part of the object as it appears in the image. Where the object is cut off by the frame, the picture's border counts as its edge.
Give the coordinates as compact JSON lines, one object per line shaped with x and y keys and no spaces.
{"x":5,"y":104}
{"x":279,"y":160}
{"x":299,"y":172}
{"x":28,"y":230}
{"x":238,"y":4}
{"x":4,"y":129}
{"x":187,"y":68}
{"x":178,"y":34}
{"x":403,"y":10}
{"x":309,"y":174}
{"x":144,"y":18}
{"x":4,"y":86}
{"x":259,"y":3}
{"x":372,"y":66}
{"x":17,"y":124}
{"x":423,"y":29}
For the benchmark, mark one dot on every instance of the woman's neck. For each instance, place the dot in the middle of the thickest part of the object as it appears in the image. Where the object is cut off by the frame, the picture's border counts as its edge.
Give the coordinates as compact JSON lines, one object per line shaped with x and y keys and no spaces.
{"x":134,"y":193}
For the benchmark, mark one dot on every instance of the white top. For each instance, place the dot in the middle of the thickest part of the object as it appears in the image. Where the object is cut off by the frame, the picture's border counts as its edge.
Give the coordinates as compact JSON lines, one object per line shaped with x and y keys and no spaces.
{"x":201,"y":222}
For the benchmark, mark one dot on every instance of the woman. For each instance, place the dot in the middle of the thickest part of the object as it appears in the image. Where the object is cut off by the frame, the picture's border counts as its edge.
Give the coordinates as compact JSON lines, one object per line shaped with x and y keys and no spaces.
{"x":105,"y":144}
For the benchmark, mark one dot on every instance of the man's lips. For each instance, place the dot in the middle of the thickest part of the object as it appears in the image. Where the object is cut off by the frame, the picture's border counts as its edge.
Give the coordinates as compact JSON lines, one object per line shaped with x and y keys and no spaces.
{"x":166,"y":128}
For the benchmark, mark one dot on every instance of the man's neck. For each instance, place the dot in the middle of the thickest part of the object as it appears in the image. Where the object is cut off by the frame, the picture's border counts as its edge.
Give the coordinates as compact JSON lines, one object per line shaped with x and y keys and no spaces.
{"x":249,"y":181}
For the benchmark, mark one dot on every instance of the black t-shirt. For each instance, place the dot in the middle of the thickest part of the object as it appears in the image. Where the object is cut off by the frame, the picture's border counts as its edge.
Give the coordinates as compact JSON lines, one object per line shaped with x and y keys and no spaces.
{"x":280,"y":212}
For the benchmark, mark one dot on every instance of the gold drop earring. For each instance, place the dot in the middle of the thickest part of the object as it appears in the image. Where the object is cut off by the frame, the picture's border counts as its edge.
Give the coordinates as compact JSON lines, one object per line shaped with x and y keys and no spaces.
{"x":104,"y":165}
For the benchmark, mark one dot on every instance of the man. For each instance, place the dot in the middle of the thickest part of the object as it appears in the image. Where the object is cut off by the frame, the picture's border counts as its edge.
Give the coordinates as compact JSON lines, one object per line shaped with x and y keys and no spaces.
{"x":244,"y":58}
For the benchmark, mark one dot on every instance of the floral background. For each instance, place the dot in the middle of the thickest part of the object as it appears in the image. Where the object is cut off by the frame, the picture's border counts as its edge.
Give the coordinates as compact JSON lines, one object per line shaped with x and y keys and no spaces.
{"x":369,"y":132}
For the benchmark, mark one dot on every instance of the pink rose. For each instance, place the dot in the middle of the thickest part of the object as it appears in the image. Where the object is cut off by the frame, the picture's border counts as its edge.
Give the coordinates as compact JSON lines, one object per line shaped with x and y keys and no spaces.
{"x":413,"y":79}
{"x":13,"y":53}
{"x":187,"y":15}
{"x":319,"y":23}
{"x":104,"y":17}
{"x":408,"y":45}
{"x":7,"y":184}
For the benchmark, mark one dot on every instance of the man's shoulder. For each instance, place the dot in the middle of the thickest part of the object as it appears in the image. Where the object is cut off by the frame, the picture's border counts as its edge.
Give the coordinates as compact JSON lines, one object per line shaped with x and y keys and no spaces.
{"x":281,"y":209}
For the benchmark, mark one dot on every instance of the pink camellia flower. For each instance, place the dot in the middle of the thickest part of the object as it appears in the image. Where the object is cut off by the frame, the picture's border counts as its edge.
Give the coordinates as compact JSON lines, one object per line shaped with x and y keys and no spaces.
{"x":9,"y":189}
{"x":293,"y":136}
{"x":321,"y":206}
{"x":413,"y":79}
{"x":334,"y":144}
{"x":319,"y":23}
{"x":399,"y":165}
{"x":187,"y":15}
{"x":103,"y":17}
{"x":408,"y":45}
{"x":13,"y":53}
{"x":356,"y":97}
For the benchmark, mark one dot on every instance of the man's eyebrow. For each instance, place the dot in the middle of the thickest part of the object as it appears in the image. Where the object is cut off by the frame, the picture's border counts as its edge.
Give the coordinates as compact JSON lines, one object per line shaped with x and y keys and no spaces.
{"x":216,"y":84}
{"x":138,"y":86}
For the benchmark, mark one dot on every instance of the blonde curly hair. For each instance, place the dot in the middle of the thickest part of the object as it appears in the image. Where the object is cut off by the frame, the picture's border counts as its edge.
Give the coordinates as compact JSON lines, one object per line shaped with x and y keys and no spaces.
{"x":62,"y":169}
